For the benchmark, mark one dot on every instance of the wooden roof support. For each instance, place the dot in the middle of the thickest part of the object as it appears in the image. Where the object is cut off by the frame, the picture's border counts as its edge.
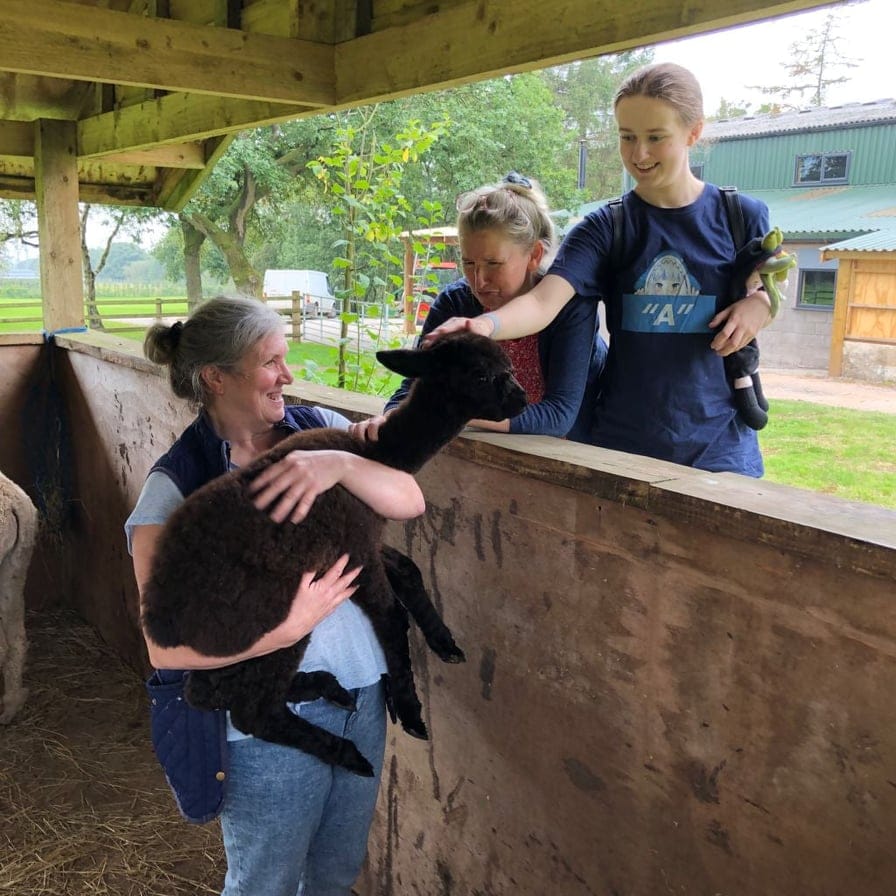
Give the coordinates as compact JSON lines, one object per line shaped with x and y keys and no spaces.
{"x":59,"y":227}
{"x":65,"y":40}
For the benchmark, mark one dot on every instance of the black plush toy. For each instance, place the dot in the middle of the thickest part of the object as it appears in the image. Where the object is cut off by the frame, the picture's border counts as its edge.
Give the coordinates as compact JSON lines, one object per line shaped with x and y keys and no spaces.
{"x":761,"y":263}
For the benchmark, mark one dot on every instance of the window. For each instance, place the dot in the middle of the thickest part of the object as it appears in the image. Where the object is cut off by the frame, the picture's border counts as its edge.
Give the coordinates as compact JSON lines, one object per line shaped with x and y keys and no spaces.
{"x":697,"y":170}
{"x":822,"y":168}
{"x":816,"y":289}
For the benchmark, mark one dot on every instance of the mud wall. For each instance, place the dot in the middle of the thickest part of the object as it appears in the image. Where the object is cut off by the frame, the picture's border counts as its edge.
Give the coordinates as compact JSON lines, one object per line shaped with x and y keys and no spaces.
{"x":676,"y":682}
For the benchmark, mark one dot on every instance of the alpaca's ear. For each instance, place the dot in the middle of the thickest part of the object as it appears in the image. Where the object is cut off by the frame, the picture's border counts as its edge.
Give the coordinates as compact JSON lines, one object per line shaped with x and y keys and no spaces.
{"x":409,"y":362}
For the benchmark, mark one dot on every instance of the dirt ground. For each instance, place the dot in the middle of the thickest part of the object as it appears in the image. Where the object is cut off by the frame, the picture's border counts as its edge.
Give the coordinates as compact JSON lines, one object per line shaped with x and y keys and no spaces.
{"x":84,"y":807}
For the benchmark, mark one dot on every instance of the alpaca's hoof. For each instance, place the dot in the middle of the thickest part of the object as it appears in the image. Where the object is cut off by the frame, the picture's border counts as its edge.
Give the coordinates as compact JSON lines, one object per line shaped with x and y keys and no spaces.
{"x":356,"y":763}
{"x":447,"y":651}
{"x":416,"y":729}
{"x":11,"y":705}
{"x":343,"y":699}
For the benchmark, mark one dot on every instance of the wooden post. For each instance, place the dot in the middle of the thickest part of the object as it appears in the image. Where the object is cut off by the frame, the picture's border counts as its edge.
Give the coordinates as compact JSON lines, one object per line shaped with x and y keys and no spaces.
{"x":296,"y":316}
{"x":59,"y":227}
{"x":409,"y":324}
{"x":842,"y":299}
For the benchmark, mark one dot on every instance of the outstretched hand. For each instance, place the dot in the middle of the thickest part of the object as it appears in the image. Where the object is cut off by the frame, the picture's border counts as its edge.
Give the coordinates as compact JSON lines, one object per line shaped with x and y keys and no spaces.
{"x":740,"y":322}
{"x":483,"y":325}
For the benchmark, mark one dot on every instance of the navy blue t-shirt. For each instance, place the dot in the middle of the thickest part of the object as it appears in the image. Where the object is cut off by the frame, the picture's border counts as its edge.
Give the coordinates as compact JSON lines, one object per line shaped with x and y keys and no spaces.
{"x":665,"y":393}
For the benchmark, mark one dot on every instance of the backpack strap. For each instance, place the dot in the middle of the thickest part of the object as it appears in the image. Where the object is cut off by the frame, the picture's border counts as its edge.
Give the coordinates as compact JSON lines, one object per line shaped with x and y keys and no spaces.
{"x":617,"y":216}
{"x":733,"y":207}
{"x":735,"y":216}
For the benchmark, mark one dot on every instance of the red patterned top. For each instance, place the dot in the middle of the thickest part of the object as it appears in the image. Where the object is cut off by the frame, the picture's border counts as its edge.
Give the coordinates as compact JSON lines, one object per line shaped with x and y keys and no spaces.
{"x":523,"y":354}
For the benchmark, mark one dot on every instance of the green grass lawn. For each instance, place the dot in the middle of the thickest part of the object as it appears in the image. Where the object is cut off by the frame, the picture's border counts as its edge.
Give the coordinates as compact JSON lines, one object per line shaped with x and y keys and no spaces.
{"x":25,"y":315}
{"x":837,"y":451}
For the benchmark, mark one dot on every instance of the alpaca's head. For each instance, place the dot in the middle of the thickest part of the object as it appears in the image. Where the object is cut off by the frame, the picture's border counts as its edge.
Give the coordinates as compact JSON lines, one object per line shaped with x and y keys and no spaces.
{"x":470,"y":374}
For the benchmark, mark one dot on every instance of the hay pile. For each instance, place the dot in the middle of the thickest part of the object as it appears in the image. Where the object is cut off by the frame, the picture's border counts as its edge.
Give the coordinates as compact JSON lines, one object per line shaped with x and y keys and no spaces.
{"x":84,"y":808}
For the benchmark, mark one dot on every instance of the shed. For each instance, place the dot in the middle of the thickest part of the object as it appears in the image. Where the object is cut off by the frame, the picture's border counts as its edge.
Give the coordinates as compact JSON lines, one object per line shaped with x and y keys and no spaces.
{"x":863,"y":336}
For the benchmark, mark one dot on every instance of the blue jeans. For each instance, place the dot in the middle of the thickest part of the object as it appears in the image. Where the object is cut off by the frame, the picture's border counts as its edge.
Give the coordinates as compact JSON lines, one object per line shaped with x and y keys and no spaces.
{"x":293,"y":825}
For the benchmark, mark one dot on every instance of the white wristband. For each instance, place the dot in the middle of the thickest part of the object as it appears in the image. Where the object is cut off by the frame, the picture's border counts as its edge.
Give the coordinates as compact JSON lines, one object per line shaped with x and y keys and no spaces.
{"x":495,"y":322}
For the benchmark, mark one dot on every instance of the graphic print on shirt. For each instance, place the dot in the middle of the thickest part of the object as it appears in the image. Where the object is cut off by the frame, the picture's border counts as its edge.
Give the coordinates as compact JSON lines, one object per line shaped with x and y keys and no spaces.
{"x":667,"y":299}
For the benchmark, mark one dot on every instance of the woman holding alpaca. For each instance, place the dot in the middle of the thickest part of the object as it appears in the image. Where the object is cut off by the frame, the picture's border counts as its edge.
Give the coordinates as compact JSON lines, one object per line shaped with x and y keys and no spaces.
{"x":671,"y":322}
{"x":507,"y":240}
{"x":290,"y":823}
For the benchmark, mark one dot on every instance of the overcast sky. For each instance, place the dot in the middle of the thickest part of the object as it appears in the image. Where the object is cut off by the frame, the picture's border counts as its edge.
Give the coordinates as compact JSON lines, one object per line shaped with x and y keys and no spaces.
{"x":725,"y":62}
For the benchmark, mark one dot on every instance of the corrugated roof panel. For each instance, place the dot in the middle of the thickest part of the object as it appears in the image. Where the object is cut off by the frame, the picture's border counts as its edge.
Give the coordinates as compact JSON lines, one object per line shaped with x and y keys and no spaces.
{"x":882,"y":241}
{"x":823,"y":213}
{"x":814,"y":118}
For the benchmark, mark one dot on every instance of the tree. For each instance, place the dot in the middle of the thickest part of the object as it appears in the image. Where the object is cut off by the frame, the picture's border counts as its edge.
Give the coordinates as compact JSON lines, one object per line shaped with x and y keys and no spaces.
{"x":121,"y":256}
{"x":18,"y":224}
{"x":114,"y":219}
{"x":258,"y":167}
{"x":813,"y":64}
{"x":584,"y":91}
{"x":363,"y":175}
{"x":500,"y":125}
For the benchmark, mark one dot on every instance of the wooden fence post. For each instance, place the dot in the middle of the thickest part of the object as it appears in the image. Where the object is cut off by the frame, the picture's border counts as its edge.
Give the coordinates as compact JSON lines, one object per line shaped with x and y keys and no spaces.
{"x":296,"y":316}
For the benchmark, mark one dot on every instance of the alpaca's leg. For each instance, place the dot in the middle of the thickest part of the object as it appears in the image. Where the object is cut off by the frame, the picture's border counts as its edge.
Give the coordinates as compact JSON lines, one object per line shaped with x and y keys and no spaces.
{"x":12,"y":661}
{"x":404,"y":704}
{"x":256,"y":691}
{"x":281,"y":726}
{"x":16,"y":546}
{"x":259,"y":682}
{"x":390,"y":622}
{"x":407,"y":583}
{"x":314,"y":685}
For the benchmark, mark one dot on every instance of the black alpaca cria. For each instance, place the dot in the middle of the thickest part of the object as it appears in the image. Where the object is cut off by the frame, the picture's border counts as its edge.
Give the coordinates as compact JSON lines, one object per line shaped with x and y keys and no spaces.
{"x":224,"y":573}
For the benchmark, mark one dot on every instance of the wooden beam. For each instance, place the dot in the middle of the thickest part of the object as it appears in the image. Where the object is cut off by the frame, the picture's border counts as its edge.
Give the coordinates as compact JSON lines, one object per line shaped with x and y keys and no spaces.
{"x":175,"y":188}
{"x":480,"y":39}
{"x":59,"y":228}
{"x":17,"y":139}
{"x":28,"y":98}
{"x":174,"y":119}
{"x":64,"y":40}
{"x":175,"y":155}
{"x":17,"y":145}
{"x":22,"y":189}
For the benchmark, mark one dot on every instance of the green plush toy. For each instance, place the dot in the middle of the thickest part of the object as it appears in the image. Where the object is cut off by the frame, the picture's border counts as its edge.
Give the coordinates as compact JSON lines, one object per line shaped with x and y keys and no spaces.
{"x":760,"y":264}
{"x":773,"y":267}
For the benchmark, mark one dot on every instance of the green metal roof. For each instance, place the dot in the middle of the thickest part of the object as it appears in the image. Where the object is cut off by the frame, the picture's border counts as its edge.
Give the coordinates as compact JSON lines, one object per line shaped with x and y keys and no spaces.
{"x":882,"y":241}
{"x":831,"y":212}
{"x":822,"y":213}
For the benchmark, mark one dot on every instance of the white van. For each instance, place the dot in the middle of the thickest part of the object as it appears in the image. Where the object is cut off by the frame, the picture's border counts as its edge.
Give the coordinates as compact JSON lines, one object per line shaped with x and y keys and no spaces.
{"x":279,"y":285}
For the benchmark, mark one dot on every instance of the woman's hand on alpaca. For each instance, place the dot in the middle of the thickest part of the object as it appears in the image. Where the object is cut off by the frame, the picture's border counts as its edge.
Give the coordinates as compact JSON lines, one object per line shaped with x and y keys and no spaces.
{"x":289,"y":487}
{"x":740,"y":322}
{"x":316,"y":598}
{"x":368,"y":430}
{"x":483,"y":325}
